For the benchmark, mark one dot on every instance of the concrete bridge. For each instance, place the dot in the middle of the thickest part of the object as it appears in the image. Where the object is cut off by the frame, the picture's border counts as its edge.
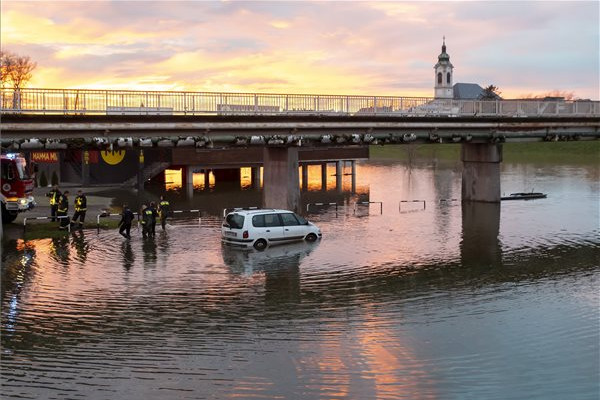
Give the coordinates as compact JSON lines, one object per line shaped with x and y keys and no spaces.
{"x":283,"y":124}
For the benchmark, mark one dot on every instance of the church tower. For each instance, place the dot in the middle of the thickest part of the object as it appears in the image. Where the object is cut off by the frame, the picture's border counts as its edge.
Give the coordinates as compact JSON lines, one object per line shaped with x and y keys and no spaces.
{"x":443,"y":75}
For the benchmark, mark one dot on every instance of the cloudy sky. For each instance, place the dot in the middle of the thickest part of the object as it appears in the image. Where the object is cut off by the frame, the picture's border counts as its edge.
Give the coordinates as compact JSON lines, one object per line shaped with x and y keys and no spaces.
{"x":344,"y":47}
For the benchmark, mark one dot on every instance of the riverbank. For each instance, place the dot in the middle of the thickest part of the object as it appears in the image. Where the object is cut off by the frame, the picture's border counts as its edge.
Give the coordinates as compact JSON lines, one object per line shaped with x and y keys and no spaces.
{"x":579,"y":152}
{"x":99,"y":200}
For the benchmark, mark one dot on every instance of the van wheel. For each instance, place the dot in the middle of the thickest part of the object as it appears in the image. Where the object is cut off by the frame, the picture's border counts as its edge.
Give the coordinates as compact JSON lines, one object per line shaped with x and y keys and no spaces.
{"x":311,"y":237}
{"x":260,"y":244}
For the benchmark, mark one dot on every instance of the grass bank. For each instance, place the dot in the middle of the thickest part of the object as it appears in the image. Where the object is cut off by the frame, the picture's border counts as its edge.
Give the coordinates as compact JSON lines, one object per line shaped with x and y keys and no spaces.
{"x":43,"y":230}
{"x":583,"y":152}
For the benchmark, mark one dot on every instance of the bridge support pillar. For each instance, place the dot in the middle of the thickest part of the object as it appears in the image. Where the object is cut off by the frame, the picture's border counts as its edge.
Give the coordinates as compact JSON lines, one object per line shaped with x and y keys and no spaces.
{"x":255,"y":177}
{"x":85,"y":168}
{"x":140,"y":173}
{"x":304,"y":177}
{"x":206,"y":179}
{"x":280,"y":186}
{"x":339,"y":175}
{"x":353,"y":176}
{"x":481,"y":172}
{"x":187,"y":178}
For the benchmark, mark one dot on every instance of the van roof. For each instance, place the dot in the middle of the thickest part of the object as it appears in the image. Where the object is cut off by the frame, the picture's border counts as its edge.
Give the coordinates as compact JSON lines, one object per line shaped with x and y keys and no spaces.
{"x":258,"y":211}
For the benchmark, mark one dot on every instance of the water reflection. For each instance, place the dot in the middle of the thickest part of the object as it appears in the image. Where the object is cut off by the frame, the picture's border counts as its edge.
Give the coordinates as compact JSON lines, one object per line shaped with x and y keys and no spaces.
{"x":59,"y":250}
{"x":149,"y":250}
{"x":279,"y":264}
{"x":398,"y":305}
{"x":127,"y":254}
{"x":81,"y":245}
{"x":480,"y":244}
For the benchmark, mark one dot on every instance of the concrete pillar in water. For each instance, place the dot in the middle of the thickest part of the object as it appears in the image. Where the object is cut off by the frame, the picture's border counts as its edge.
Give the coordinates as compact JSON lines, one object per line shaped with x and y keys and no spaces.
{"x":280,"y":186}
{"x":324,"y":176}
{"x":304,"y":177}
{"x":480,"y":245}
{"x":481,"y":172}
{"x":339,"y":175}
{"x":255,"y":177}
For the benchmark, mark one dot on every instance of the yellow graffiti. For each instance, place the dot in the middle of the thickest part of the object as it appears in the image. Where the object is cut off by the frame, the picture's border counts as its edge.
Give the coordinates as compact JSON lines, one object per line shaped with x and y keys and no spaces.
{"x":112,"y":157}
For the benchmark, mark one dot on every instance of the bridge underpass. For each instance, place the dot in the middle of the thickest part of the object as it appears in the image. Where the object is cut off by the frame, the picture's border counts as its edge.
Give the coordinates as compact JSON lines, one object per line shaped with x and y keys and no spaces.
{"x":282,"y":138}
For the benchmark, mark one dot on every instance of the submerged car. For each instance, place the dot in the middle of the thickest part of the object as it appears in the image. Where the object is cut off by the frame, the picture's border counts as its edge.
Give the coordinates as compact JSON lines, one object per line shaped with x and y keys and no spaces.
{"x":260,"y":228}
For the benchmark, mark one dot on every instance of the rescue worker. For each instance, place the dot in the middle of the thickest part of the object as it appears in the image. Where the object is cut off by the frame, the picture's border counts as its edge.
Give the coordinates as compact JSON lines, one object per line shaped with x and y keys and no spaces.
{"x":125,"y":223}
{"x":80,"y":208}
{"x":63,"y":208}
{"x":164,"y":208}
{"x":154,"y":216}
{"x":54,"y":196}
{"x":147,"y":217}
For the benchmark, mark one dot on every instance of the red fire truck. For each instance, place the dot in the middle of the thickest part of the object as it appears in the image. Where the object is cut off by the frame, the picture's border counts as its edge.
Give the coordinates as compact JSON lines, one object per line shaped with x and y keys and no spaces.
{"x":17,"y":187}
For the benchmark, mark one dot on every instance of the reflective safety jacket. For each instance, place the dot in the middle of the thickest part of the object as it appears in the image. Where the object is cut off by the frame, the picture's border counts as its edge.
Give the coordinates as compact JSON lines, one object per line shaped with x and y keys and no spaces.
{"x":80,"y":203}
{"x":147,"y":216}
{"x":63,"y":204}
{"x":54,"y":195}
{"x":163,"y":208}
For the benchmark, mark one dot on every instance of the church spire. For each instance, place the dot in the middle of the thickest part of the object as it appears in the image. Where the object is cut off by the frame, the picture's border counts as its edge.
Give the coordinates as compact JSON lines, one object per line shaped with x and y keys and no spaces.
{"x":443,"y":75}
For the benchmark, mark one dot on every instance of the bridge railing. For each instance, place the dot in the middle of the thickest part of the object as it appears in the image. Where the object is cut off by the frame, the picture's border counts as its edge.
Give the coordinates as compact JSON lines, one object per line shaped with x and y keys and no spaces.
{"x":124,"y":102}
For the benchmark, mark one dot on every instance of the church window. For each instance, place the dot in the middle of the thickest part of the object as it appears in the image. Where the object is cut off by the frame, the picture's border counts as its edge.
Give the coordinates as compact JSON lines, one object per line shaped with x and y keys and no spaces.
{"x":439,"y":78}
{"x":448,"y":78}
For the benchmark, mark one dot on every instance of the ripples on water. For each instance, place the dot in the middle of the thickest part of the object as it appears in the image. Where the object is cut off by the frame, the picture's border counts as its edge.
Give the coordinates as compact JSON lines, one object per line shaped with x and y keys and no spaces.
{"x":418,"y":304}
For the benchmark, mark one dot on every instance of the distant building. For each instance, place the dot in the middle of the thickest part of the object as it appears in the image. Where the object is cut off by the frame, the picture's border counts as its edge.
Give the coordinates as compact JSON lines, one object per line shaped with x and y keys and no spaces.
{"x":444,"y":89}
{"x":472,"y":91}
{"x":443,"y":75}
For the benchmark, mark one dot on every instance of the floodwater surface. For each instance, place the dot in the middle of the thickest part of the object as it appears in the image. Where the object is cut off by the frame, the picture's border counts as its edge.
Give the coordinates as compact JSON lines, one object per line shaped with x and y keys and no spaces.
{"x":411,"y":300}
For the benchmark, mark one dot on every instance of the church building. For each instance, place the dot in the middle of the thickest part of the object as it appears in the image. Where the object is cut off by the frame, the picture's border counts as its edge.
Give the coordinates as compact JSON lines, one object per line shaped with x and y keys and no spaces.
{"x":444,"y":88}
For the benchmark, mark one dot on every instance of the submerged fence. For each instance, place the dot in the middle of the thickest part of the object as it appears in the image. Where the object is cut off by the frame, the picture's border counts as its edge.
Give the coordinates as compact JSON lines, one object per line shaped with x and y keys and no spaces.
{"x":128,"y":102}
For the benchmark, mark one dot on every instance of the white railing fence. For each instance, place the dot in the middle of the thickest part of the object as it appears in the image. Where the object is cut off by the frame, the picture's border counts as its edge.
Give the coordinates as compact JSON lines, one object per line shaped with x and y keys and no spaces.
{"x":124,"y":102}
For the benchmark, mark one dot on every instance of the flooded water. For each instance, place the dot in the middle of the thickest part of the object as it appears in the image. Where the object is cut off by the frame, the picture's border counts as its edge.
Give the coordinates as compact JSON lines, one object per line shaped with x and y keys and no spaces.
{"x":410,"y":301}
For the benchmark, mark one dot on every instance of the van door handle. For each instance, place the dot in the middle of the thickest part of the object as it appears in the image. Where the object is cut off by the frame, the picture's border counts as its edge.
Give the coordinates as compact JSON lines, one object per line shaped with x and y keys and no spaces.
{"x":286,"y":229}
{"x":268,"y":230}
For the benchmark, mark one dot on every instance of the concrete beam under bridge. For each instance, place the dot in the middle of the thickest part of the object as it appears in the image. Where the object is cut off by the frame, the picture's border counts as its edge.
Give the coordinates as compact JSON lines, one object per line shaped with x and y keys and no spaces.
{"x":481,"y":172}
{"x":280,"y":178}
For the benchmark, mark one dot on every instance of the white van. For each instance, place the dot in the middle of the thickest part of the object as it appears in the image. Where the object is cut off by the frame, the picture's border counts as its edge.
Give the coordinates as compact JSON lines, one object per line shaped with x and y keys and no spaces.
{"x":265,"y":227}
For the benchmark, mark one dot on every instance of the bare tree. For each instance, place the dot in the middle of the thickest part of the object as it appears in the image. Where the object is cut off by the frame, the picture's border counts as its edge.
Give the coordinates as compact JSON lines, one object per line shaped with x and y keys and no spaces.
{"x":6,"y":61}
{"x":21,"y":71}
{"x":15,"y":71}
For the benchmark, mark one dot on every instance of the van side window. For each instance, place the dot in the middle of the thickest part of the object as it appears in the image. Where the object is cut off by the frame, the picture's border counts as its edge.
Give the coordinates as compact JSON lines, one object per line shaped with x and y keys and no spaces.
{"x":272,"y":220}
{"x":258,"y":221}
{"x":289,"y":219}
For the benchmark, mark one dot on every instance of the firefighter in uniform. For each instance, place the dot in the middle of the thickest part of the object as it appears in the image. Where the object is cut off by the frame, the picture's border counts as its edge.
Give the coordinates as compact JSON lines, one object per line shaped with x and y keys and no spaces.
{"x":63,"y":208}
{"x":154,"y":216}
{"x":80,"y":208}
{"x":125,"y":224}
{"x":54,"y":196}
{"x":147,"y":217}
{"x":163,"y":210}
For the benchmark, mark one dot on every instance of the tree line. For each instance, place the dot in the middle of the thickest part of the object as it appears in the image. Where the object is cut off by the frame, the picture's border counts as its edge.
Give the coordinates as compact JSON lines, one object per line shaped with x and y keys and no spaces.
{"x":15,"y":70}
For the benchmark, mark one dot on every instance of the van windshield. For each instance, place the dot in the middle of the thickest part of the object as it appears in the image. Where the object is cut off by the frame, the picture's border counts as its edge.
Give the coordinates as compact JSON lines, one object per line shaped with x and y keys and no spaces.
{"x":235,"y":221}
